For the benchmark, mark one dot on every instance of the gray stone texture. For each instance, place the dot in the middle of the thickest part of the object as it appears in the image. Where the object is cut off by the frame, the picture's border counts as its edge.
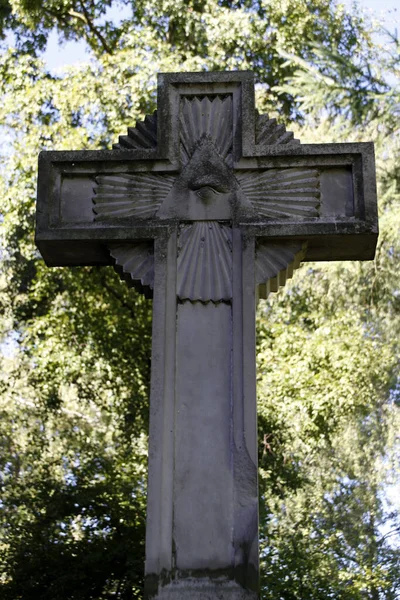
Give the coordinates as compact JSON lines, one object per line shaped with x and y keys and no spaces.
{"x":199,"y":206}
{"x":203,"y":476}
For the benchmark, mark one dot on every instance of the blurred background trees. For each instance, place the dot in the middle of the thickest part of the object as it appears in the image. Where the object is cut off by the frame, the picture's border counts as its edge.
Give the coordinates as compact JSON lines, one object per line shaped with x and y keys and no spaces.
{"x":75,"y":347}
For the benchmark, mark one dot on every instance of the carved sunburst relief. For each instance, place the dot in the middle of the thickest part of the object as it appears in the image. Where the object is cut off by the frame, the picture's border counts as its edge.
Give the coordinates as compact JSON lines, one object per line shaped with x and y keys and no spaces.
{"x":210,"y":118}
{"x":206,"y":142}
{"x":202,"y":195}
{"x":282,"y":193}
{"x":204,"y":269}
{"x":124,"y":196}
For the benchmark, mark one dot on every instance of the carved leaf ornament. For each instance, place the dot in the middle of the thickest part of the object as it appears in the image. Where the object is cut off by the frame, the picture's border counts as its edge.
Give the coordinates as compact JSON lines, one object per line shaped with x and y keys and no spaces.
{"x":200,"y":195}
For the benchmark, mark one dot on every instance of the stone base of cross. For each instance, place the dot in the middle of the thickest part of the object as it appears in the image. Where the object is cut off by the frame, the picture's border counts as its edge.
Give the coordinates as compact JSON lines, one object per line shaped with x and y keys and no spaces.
{"x":202,"y":206}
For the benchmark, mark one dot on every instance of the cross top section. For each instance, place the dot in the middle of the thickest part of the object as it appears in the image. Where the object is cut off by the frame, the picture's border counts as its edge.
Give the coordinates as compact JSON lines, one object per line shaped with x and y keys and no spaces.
{"x":207,"y":124}
{"x":176,"y":94}
{"x":204,"y":156}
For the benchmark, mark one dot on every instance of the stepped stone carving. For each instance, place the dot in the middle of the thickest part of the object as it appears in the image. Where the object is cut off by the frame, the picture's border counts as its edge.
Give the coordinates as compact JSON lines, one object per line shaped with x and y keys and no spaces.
{"x":135,"y":264}
{"x":275,"y":264}
{"x":195,"y":112}
{"x":144,"y":135}
{"x":269,"y":132}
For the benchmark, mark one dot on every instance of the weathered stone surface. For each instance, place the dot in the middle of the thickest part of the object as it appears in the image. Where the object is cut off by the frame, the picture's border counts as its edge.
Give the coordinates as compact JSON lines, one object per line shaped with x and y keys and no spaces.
{"x":275,"y":264}
{"x":205,"y":589}
{"x":203,"y":476}
{"x":199,"y":205}
{"x":203,"y":510}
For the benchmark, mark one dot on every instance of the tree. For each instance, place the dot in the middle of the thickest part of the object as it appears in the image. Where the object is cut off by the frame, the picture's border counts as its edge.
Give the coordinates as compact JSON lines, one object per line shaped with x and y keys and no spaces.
{"x":334,"y":420}
{"x":74,"y":399}
{"x":326,"y":426}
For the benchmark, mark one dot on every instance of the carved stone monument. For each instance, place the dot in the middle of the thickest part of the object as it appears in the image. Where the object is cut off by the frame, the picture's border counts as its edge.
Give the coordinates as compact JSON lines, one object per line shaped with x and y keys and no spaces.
{"x":200,"y":206}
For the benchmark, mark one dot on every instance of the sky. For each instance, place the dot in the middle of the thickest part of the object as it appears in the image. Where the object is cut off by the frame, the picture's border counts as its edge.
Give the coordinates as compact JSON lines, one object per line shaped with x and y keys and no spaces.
{"x":58,"y":56}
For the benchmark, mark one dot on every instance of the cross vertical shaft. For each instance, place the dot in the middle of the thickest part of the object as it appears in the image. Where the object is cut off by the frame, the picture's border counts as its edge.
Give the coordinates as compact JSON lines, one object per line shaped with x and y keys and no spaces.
{"x":202,"y":526}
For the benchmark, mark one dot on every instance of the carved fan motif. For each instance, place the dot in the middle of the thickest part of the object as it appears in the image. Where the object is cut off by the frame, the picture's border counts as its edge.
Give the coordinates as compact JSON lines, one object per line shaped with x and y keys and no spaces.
{"x":205,"y":262}
{"x":144,"y":135}
{"x":209,"y":117}
{"x":135,"y":264}
{"x":138,"y":195}
{"x":282,"y":193}
{"x":275,"y":263}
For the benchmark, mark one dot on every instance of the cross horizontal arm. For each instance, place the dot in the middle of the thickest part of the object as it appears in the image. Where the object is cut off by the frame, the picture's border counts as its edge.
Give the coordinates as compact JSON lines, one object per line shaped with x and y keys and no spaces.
{"x":135,"y":155}
{"x":346,"y":228}
{"x":354,"y":240}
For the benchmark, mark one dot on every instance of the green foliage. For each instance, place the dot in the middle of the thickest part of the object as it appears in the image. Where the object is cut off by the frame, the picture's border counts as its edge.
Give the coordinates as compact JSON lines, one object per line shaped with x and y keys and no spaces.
{"x":359,"y":89}
{"x":328,"y":355}
{"x":73,"y":498}
{"x":32,"y":20}
{"x":76,"y":358}
{"x":326,"y":428}
{"x":203,"y":35}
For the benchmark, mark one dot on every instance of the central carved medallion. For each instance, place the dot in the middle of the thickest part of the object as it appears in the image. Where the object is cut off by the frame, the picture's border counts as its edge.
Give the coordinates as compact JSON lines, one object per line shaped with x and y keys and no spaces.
{"x":206,"y":196}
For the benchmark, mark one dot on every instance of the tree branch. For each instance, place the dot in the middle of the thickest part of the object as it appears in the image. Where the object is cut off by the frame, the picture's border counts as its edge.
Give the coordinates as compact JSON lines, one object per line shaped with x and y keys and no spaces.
{"x":85,"y":18}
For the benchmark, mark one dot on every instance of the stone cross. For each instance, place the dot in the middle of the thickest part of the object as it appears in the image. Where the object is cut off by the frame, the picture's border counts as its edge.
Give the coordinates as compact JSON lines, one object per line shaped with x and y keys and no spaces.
{"x":202,"y":206}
